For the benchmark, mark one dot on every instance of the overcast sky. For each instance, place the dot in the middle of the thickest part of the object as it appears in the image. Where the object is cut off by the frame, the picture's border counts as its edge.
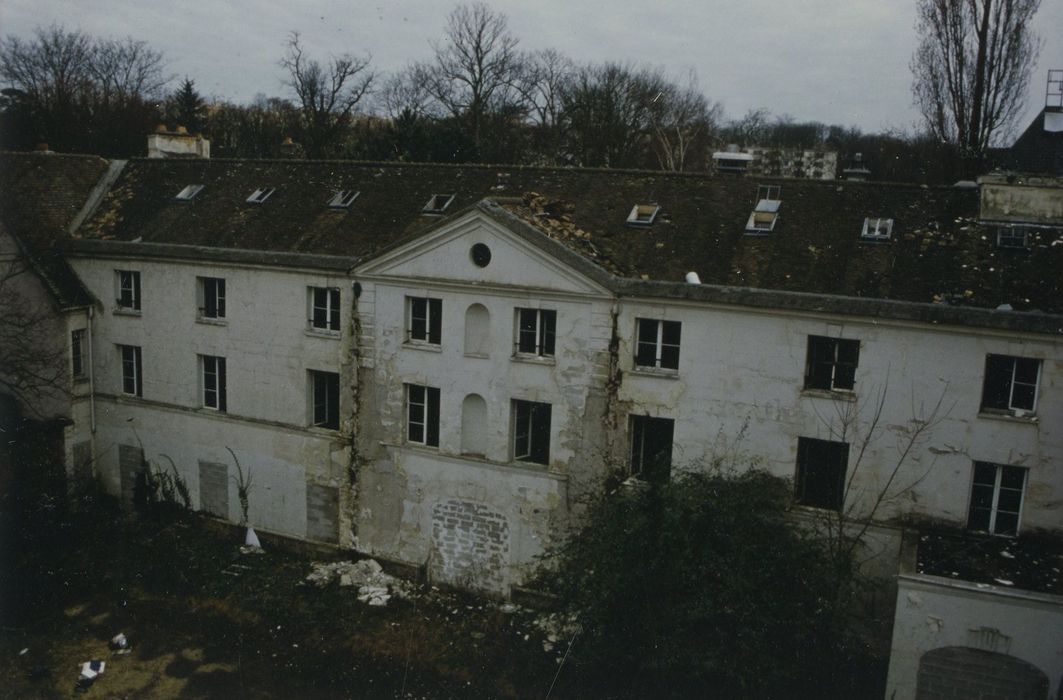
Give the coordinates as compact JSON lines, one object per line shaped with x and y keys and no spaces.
{"x":835,"y":61}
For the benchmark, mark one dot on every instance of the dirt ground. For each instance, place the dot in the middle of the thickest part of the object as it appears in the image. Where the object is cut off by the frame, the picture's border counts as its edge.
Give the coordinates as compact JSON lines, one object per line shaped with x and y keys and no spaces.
{"x":207,"y":621}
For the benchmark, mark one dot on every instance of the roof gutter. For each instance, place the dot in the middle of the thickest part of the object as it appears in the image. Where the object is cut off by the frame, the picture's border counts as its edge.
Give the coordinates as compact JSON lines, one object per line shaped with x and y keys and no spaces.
{"x":175,"y":251}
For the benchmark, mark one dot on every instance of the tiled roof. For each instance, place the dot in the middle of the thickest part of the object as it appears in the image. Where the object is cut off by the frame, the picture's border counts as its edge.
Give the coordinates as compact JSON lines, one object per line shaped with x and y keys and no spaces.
{"x":40,"y":194}
{"x":938,"y":252}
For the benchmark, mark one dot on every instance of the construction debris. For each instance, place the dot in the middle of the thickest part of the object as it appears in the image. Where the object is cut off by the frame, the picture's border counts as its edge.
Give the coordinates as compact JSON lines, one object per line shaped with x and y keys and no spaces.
{"x":375,"y":587}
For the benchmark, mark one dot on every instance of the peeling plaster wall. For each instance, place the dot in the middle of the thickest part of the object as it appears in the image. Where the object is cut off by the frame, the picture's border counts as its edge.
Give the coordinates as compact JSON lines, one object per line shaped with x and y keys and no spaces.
{"x":403,"y":485}
{"x":1038,"y":201}
{"x":742,"y":374}
{"x":933,"y":613}
{"x":268,"y":352}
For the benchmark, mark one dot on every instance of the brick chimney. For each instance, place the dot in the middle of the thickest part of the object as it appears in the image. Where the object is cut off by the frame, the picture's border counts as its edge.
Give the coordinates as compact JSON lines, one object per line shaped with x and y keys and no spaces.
{"x":290,"y":150}
{"x":177,"y":144}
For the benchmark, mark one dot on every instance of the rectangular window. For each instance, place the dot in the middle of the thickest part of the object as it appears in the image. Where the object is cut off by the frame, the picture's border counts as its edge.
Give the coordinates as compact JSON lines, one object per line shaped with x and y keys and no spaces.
{"x":422,"y":415}
{"x":189,"y":192}
{"x":438,"y":203}
{"x":821,"y":467}
{"x":211,"y":294}
{"x":1013,"y":237}
{"x":424,"y":320}
{"x":132,"y":377}
{"x":651,"y":448}
{"x":260,"y":195}
{"x":1010,"y":384}
{"x":531,"y":432}
{"x":325,"y":309}
{"x":77,"y":353}
{"x":128,"y":283}
{"x":831,"y":363}
{"x":877,"y":229}
{"x":996,"y":498}
{"x":343,"y":199}
{"x":213,"y":382}
{"x":536,"y":329}
{"x":325,"y":399}
{"x":643,"y":214}
{"x":657,"y":344}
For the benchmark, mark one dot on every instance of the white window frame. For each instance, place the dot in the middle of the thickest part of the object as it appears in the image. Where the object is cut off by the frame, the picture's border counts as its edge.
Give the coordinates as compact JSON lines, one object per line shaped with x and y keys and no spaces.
{"x":205,"y":286}
{"x":1012,"y":382}
{"x":132,"y":366}
{"x":437,"y":204}
{"x":428,"y":416}
{"x":877,"y":229}
{"x":997,"y":489}
{"x":260,"y":195}
{"x":331,"y":309}
{"x":217,"y":398}
{"x":127,"y":282}
{"x":1008,"y":235}
{"x":189,"y":193}
{"x":343,"y":199}
{"x":429,"y":318}
{"x":658,"y":342}
{"x":643,"y":214}
{"x":539,"y":331}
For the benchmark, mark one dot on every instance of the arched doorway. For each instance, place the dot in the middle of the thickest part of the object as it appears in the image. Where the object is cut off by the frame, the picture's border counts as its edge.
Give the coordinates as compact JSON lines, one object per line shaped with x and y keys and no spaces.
{"x":964,"y":672}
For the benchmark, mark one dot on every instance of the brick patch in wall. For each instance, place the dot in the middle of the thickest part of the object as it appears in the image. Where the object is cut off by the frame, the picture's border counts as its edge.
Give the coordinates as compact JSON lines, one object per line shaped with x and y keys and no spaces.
{"x":470,"y":546}
{"x":322,"y":513}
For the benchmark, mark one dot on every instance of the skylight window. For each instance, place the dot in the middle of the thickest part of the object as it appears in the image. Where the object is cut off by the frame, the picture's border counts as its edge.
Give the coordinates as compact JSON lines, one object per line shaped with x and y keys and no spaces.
{"x":877,"y":229}
{"x":643,"y":214}
{"x":343,"y":199}
{"x":766,"y":212}
{"x":261,"y":195}
{"x":438,"y":203}
{"x":189,"y":192}
{"x":1017,"y":237}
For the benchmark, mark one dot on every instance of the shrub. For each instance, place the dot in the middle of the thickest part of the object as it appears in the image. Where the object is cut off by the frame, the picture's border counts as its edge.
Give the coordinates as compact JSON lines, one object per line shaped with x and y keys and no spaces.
{"x":700,"y":586}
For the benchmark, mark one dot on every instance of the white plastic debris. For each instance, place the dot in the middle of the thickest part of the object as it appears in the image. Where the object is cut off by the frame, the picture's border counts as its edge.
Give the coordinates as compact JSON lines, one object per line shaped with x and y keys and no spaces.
{"x":251,"y":539}
{"x":120,"y":644}
{"x":1004,"y":582}
{"x":374,"y":586}
{"x":1006,"y":554}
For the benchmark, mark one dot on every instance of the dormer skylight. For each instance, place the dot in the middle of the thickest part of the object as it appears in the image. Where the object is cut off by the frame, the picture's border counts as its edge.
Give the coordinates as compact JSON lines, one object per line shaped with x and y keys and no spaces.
{"x":438,"y":204}
{"x":343,"y":199}
{"x":261,"y":195}
{"x":1013,"y":237}
{"x":766,"y":211}
{"x":188,"y":193}
{"x":877,"y":229}
{"x":643,"y":214}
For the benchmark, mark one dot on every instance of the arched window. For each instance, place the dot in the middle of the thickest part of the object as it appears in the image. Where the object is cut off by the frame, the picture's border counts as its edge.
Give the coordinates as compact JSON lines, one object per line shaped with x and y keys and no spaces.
{"x":474,"y":425}
{"x":477,"y":331}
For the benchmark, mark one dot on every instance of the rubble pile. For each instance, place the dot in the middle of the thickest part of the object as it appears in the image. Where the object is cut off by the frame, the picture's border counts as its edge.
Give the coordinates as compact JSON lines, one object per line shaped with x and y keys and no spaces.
{"x":375,"y":587}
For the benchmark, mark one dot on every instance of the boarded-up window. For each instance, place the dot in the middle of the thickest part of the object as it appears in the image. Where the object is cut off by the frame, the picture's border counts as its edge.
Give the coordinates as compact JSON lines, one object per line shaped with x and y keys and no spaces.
{"x":214,"y":489}
{"x":322,"y":513}
{"x":477,"y":331}
{"x":474,"y":425}
{"x":130,"y":463}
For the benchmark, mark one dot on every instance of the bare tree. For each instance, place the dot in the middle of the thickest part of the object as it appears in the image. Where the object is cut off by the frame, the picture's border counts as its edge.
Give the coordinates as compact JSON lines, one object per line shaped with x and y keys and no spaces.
{"x":82,"y":93}
{"x":327,"y":94}
{"x":542,"y":78}
{"x":475,"y":67}
{"x":680,"y":116}
{"x":406,"y":93}
{"x":34,"y":367}
{"x":972,"y":66}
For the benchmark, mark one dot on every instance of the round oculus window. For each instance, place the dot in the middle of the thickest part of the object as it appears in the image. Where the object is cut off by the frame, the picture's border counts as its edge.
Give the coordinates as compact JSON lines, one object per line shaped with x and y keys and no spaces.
{"x":481,"y":255}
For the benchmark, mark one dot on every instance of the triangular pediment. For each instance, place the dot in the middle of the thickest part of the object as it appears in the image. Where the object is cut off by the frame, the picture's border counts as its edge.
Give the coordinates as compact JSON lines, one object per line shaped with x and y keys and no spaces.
{"x":479,"y":249}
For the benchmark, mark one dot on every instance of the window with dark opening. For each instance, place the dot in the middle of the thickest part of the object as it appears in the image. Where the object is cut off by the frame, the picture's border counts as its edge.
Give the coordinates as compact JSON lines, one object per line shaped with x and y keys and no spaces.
{"x":425,"y":323}
{"x":657,"y":343}
{"x":996,"y":498}
{"x":536,"y":330}
{"x":531,"y":432}
{"x":77,"y":353}
{"x":325,"y":399}
{"x":821,"y":466}
{"x":343,"y":199}
{"x":438,"y":203}
{"x":128,"y":289}
{"x":422,"y":415}
{"x":214,"y":389}
{"x":211,"y":297}
{"x":325,"y":308}
{"x":132,"y":376}
{"x":1010,"y":384}
{"x":651,"y":448}
{"x":831,"y":363}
